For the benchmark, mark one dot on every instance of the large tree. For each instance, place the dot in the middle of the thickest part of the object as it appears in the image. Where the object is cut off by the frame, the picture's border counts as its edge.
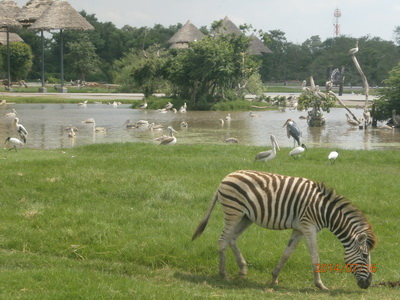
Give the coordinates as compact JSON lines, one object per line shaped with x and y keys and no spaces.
{"x":20,"y":60}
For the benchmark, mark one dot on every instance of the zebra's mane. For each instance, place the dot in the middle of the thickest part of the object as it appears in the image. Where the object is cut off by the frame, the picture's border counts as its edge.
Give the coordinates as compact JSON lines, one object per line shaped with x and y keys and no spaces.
{"x":348,"y":207}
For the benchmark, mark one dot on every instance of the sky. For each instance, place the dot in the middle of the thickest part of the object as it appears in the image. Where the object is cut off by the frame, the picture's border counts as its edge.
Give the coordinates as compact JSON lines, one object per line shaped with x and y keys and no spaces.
{"x":298,"y":19}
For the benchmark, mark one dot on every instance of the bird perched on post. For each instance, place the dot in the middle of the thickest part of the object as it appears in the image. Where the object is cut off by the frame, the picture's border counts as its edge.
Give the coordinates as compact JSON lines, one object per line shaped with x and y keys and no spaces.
{"x":293,"y":130}
{"x":270,"y":154}
{"x":23,"y":133}
{"x":354,"y":50}
{"x":296,"y":152}
{"x":16,"y":142}
{"x":333,"y":156}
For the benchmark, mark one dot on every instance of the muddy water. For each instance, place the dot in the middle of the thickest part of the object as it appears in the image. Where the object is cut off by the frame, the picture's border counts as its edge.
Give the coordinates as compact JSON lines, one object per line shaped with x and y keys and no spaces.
{"x":46,"y":126}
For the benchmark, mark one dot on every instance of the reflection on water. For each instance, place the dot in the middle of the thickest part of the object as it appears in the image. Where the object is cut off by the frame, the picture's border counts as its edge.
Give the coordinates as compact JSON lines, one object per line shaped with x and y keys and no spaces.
{"x":46,"y":126}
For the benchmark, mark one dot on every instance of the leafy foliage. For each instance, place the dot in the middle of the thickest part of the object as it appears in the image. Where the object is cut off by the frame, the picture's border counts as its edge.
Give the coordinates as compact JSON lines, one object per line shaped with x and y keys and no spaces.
{"x":20,"y":59}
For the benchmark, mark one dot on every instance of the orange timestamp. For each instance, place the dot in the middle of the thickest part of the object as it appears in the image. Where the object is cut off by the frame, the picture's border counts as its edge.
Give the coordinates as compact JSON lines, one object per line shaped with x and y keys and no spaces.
{"x":341,"y":268}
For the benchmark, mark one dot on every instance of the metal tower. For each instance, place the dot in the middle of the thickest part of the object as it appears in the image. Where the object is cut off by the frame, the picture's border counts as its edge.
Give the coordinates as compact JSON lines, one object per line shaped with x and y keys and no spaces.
{"x":337,"y":14}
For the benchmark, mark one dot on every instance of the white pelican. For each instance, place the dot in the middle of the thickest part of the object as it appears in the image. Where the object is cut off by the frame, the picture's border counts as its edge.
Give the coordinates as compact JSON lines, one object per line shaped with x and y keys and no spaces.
{"x":71,"y":133}
{"x":293,"y":130}
{"x":184,"y":124}
{"x":23,"y":133}
{"x":153,"y":126}
{"x":228,"y":117}
{"x":82,"y":104}
{"x":168,"y":106}
{"x":128,"y":124}
{"x":144,"y":105}
{"x":90,"y":120}
{"x":16,"y":142}
{"x":98,"y":129}
{"x":11,"y":114}
{"x":296,"y":152}
{"x":386,"y":127}
{"x":221,"y":121}
{"x":142,"y":123}
{"x":231,"y":140}
{"x":352,"y":122}
{"x":182,"y":109}
{"x":333,"y":156}
{"x":171,"y":140}
{"x":354,"y":50}
{"x":270,"y":154}
{"x":74,"y":128}
{"x":163,"y":110}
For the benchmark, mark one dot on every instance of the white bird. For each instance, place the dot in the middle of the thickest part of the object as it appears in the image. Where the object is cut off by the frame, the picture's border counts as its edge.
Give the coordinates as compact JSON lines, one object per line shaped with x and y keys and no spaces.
{"x":254,"y":115}
{"x":82,"y":104}
{"x":23,"y":133}
{"x":184,"y":124}
{"x":128,"y":124}
{"x":15,"y":142}
{"x":90,"y":120}
{"x":352,"y":122}
{"x":11,"y":114}
{"x":231,"y":140}
{"x":333,"y":156}
{"x":221,"y":121}
{"x":354,"y":50}
{"x":168,"y":106}
{"x":171,"y":140}
{"x":153,"y":126}
{"x":144,"y":105}
{"x":71,"y":133}
{"x":74,"y":128}
{"x":270,"y":154}
{"x":98,"y":129}
{"x":296,"y":152}
{"x":228,"y":117}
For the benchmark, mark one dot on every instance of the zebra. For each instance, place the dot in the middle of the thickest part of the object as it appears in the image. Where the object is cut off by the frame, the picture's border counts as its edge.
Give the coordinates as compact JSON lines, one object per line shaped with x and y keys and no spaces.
{"x":280,"y":202}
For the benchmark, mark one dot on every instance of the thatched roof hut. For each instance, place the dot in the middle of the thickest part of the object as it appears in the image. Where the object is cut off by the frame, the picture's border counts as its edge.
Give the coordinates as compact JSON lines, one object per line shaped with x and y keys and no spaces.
{"x":10,"y":8}
{"x":61,"y":15}
{"x":188,"y":33}
{"x":13,"y":37}
{"x":257,"y":47}
{"x":227,"y":27}
{"x":32,"y":11}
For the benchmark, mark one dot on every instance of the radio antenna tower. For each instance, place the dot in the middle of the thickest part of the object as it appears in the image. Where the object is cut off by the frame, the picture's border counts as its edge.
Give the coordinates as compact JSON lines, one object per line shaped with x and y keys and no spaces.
{"x":337,"y":14}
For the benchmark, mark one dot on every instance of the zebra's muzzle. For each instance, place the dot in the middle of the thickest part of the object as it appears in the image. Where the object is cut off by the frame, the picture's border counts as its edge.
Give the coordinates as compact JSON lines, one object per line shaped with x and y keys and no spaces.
{"x":365,"y":283}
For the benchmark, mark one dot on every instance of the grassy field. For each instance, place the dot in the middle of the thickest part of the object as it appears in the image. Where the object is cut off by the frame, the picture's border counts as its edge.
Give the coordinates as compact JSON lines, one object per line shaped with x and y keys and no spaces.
{"x":115,"y":221}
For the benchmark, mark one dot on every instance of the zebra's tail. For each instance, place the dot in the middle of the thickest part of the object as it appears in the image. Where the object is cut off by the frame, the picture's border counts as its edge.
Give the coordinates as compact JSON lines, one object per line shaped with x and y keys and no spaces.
{"x":203,"y":223}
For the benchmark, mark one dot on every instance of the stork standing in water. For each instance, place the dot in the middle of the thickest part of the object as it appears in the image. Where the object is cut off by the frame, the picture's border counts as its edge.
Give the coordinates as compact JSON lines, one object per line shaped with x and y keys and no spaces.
{"x":293,"y":131}
{"x":15,"y":142}
{"x":23,"y":133}
{"x":171,"y":140}
{"x":270,"y":154}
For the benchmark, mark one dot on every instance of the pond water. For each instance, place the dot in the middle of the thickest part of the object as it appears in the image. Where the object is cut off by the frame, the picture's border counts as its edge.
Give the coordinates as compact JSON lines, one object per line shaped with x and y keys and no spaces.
{"x":46,"y":125}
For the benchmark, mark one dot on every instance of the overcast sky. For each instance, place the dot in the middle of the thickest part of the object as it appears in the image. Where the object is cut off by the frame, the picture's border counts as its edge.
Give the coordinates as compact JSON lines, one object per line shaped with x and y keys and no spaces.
{"x":298,"y":19}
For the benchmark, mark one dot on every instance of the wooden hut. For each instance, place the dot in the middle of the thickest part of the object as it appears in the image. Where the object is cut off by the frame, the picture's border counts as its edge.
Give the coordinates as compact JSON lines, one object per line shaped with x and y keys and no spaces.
{"x":187,"y":34}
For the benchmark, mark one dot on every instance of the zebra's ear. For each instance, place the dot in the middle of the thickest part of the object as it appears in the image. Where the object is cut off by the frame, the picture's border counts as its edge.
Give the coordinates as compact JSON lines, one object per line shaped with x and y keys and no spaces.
{"x":361,"y":238}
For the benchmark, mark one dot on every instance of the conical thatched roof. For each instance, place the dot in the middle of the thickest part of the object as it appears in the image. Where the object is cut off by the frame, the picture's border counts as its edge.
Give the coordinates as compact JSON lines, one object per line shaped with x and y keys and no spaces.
{"x":13,"y":37}
{"x":227,"y":27}
{"x":61,"y":15}
{"x":257,"y":47}
{"x":10,"y":8}
{"x":32,"y":11}
{"x":7,"y":22}
{"x":188,"y":33}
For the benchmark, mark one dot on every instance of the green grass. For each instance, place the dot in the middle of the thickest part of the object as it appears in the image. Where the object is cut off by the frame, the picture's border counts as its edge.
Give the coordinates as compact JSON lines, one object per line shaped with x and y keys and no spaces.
{"x":115,"y":221}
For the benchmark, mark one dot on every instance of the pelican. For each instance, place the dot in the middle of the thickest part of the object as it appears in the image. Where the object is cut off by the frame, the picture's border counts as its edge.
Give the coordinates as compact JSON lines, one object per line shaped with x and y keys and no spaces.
{"x":144,"y":105}
{"x":98,"y":129}
{"x":23,"y":133}
{"x":333,"y":156}
{"x":128,"y":124}
{"x":228,"y":117}
{"x":142,"y":123}
{"x":184,"y":124}
{"x":254,"y":115}
{"x":71,"y":133}
{"x":352,"y":122}
{"x":296,"y":152}
{"x":168,"y":106}
{"x":293,"y":130}
{"x":15,"y":142}
{"x":221,"y":121}
{"x":270,"y":154}
{"x":90,"y":120}
{"x":11,"y":114}
{"x":231,"y":140}
{"x":74,"y":128}
{"x":82,"y":104}
{"x":354,"y":50}
{"x":153,"y":126}
{"x":183,"y":108}
{"x":171,"y":140}
{"x":386,"y":127}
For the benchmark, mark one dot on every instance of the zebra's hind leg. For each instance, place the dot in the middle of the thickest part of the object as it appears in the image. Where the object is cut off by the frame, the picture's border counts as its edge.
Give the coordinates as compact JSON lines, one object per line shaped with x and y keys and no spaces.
{"x":239,"y":229}
{"x":293,"y":241}
{"x":234,"y":225}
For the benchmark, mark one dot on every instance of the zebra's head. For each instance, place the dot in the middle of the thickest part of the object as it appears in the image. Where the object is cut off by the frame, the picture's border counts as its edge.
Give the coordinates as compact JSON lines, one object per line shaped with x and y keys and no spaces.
{"x":358,"y":259}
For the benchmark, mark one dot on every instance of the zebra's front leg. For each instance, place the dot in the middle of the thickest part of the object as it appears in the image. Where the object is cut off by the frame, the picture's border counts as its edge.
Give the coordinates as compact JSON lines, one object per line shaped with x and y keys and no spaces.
{"x":293,"y":241}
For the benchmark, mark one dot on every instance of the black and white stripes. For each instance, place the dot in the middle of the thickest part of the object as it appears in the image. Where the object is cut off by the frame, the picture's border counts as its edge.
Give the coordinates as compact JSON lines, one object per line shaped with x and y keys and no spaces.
{"x":283,"y":202}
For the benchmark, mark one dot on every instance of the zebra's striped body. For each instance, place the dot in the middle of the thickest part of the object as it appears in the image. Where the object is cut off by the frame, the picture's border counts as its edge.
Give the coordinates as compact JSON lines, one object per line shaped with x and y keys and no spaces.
{"x":282,"y":202}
